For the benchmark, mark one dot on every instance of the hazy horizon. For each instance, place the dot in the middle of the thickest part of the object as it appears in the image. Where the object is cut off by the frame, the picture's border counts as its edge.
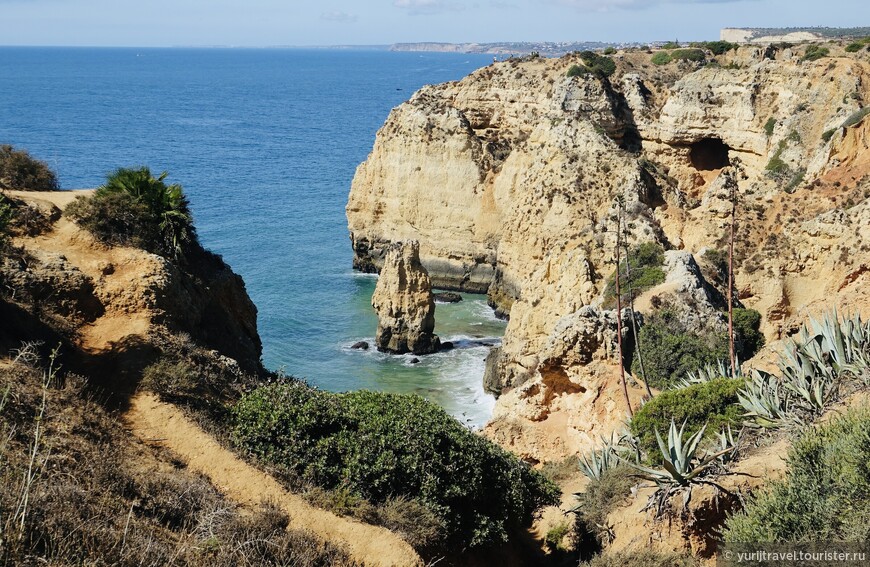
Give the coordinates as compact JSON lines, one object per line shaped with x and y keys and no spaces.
{"x":271,"y":23}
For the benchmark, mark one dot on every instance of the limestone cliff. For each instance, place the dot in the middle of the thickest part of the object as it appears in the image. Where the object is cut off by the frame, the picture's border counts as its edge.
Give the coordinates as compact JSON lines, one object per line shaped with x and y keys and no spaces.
{"x":60,"y":284}
{"x":508,"y":179}
{"x":404,"y":303}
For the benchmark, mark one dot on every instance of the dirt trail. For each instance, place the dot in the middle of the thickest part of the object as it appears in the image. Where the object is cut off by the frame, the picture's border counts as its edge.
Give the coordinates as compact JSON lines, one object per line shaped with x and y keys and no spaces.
{"x":154,"y":421}
{"x":117,"y":272}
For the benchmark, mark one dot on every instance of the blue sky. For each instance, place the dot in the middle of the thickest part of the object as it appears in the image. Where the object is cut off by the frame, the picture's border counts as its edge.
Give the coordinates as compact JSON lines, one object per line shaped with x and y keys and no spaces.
{"x":329,"y":22}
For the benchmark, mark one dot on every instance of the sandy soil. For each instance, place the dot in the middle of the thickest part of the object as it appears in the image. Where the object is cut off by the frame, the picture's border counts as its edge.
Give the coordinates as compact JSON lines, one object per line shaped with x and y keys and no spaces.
{"x":157,"y":422}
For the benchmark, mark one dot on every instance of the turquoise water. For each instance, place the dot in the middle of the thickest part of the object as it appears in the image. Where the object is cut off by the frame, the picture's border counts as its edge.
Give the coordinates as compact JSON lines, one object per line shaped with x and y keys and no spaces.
{"x":265,"y":143}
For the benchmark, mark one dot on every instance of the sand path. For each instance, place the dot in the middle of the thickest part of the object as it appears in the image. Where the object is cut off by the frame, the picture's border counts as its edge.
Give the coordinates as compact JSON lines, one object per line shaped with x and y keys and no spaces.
{"x":154,"y":421}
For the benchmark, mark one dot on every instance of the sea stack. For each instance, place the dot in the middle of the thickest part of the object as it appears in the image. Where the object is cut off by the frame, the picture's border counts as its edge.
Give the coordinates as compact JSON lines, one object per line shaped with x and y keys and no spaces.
{"x":404,"y":303}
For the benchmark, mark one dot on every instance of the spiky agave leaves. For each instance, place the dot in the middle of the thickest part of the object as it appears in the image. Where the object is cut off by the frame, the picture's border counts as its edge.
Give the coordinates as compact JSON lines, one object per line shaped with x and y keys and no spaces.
{"x":765,"y":403}
{"x":707,"y":373}
{"x":597,"y":462}
{"x":682,"y":466}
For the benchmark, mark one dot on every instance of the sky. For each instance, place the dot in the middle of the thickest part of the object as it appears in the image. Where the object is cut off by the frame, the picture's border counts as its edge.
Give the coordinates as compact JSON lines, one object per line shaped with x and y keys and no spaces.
{"x":258,"y":23}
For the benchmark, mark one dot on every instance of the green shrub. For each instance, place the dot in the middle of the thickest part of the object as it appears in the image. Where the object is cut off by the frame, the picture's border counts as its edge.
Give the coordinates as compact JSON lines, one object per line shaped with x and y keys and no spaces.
{"x":670,"y":350}
{"x":854,"y":47}
{"x":661,"y":58}
{"x":576,"y":71}
{"x":555,"y":535}
{"x":609,"y":50}
{"x":380,"y":445}
{"x":769,"y":126}
{"x":598,"y":500}
{"x":825,"y":495}
{"x":746,"y":325}
{"x":828,"y":134}
{"x":814,"y":52}
{"x":646,"y":262}
{"x":714,"y":403}
{"x":7,"y":213}
{"x":598,"y":65}
{"x":688,"y":54}
{"x":20,"y":171}
{"x":134,"y":208}
{"x":671,"y":45}
{"x":716,"y":47}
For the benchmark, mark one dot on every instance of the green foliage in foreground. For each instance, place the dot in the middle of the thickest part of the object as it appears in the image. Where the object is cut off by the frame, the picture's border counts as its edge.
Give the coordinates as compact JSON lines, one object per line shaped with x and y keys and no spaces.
{"x":825,"y":495}
{"x":670,"y":351}
{"x":134,"y":208}
{"x":21,"y":171}
{"x":714,"y":403}
{"x":380,"y":445}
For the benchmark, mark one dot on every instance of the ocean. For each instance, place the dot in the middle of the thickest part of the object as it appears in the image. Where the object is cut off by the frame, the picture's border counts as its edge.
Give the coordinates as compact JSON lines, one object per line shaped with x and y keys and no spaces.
{"x":265,"y":143}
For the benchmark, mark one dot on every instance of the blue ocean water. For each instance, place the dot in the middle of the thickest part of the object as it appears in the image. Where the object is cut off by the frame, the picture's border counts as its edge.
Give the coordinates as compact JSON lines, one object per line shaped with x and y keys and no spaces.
{"x":265,"y":143}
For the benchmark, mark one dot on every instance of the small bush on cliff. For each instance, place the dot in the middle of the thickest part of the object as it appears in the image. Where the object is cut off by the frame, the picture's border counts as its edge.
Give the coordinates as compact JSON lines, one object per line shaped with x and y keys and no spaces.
{"x":134,"y":208}
{"x":598,"y":65}
{"x":661,"y":58}
{"x":716,"y":47}
{"x":646,"y":261}
{"x":670,"y":350}
{"x":20,"y":171}
{"x":381,"y":445}
{"x":825,"y":495}
{"x":714,"y":403}
{"x":746,"y":328}
{"x":576,"y":71}
{"x":689,"y":54}
{"x":814,"y":52}
{"x":596,"y":502}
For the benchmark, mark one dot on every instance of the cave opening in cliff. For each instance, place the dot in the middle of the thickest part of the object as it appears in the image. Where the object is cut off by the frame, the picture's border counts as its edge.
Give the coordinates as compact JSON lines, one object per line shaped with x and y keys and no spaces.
{"x":709,"y":154}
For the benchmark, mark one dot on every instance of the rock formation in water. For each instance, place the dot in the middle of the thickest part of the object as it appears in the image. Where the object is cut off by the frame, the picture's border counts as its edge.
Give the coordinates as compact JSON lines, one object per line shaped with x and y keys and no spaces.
{"x":404,"y":303}
{"x":508,"y":179}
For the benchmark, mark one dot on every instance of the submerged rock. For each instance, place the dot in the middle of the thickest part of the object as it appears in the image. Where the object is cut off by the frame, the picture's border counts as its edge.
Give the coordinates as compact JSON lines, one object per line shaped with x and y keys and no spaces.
{"x":447,"y":297}
{"x":361,"y":345}
{"x":404,"y":303}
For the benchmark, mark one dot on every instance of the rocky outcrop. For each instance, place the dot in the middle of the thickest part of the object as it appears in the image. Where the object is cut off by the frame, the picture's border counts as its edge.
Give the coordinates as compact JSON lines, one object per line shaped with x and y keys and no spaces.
{"x":404,"y":304}
{"x":110,"y":299}
{"x":508,"y":179}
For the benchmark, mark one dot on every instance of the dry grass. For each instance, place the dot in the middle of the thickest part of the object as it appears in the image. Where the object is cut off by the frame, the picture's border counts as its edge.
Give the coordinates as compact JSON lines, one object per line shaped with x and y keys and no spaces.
{"x":75,"y":490}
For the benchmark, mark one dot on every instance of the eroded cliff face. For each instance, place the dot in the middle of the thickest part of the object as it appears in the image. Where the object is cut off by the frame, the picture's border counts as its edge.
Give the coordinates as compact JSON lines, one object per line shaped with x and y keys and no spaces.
{"x":508,"y":179}
{"x":60,"y":284}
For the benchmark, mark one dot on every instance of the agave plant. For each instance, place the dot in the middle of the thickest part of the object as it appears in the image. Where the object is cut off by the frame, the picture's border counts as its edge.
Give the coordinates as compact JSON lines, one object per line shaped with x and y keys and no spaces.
{"x":596,"y":462}
{"x":682,"y":466}
{"x":728,"y":445}
{"x":707,"y":373}
{"x":765,"y":403}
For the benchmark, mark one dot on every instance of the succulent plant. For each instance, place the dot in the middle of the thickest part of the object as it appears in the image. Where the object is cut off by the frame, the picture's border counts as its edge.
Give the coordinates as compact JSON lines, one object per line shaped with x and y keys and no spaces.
{"x":720,"y":369}
{"x":682,"y":466}
{"x":765,"y":403}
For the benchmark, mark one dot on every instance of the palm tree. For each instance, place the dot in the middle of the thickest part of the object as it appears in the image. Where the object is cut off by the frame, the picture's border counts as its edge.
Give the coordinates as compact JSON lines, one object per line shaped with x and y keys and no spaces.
{"x":167,"y":205}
